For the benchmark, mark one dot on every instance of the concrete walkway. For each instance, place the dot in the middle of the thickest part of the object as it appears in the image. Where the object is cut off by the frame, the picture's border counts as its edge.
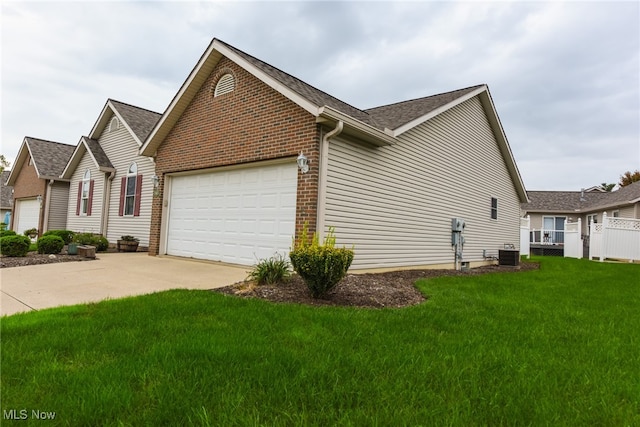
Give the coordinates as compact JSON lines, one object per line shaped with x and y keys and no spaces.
{"x":111,"y":275}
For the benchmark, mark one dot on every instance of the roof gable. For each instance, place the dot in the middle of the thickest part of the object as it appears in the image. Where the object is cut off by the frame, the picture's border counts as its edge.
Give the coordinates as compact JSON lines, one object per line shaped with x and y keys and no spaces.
{"x":138,"y":121}
{"x":94,"y":150}
{"x":49,"y":158}
{"x":379,"y":126}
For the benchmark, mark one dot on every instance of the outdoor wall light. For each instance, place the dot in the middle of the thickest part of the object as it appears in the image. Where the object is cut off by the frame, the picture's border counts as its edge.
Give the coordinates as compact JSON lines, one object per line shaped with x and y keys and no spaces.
{"x":155,"y":180}
{"x":303,"y":163}
{"x":39,"y":199}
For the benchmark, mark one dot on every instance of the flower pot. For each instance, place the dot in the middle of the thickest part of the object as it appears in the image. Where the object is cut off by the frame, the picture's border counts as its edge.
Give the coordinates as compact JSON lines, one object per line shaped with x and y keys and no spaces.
{"x":127,"y":246}
{"x":72,"y":249}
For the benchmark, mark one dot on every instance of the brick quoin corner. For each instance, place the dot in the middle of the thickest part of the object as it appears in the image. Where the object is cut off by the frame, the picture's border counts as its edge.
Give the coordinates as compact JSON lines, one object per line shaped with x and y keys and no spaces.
{"x":250,"y":124}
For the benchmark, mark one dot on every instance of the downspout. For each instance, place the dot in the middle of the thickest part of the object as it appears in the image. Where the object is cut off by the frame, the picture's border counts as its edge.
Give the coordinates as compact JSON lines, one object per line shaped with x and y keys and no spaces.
{"x":47,"y":207}
{"x":105,"y":204}
{"x":322,"y":177}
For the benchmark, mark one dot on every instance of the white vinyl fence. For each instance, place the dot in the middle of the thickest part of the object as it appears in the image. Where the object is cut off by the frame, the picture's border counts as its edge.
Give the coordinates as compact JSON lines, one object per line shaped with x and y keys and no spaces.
{"x":617,"y":238}
{"x":524,"y":236}
{"x":573,"y":239}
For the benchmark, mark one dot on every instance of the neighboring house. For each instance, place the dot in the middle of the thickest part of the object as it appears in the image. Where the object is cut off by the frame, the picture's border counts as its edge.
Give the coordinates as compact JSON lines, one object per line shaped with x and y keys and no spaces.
{"x":549,"y":209}
{"x":39,"y":194}
{"x":111,"y":185}
{"x":390,"y":179}
{"x":6,"y":199}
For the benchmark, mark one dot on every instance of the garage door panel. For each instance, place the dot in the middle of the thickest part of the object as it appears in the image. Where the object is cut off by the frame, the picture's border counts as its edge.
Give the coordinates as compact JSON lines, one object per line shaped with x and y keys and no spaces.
{"x":242,"y":215}
{"x":28,"y":214}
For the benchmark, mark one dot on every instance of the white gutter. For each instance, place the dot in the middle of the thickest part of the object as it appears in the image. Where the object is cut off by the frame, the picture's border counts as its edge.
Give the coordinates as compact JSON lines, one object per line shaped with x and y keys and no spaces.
{"x":323,"y":170}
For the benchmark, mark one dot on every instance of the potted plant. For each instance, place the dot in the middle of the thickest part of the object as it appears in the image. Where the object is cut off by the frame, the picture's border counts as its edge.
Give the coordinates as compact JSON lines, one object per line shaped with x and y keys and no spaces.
{"x":128,"y":244}
{"x":32,"y":233}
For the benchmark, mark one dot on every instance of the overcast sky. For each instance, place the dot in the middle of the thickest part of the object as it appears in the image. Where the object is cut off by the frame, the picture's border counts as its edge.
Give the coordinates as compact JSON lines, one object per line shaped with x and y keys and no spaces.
{"x":564,"y":77}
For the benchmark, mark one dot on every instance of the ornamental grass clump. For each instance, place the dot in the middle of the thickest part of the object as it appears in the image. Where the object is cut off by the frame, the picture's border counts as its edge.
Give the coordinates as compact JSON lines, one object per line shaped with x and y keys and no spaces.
{"x":272,"y":271}
{"x":321,"y":267}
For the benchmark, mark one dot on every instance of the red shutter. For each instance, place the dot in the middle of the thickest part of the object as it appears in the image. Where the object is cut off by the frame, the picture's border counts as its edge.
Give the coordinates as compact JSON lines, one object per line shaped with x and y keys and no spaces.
{"x":90,"y":198}
{"x":123,"y":187}
{"x":136,"y":208}
{"x":79,"y":198}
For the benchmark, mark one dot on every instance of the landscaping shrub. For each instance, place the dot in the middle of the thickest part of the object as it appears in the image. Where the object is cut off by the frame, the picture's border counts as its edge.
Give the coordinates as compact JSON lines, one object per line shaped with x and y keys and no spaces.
{"x":50,"y":244}
{"x":271,"y":271}
{"x":7,"y":233}
{"x":101,"y":243}
{"x":14,"y":246}
{"x":320,"y":266}
{"x":65,"y":235}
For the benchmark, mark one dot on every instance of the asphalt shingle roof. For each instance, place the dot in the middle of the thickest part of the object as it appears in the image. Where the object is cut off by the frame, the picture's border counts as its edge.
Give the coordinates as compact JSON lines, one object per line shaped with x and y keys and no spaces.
{"x":395,"y":115}
{"x":140,"y":121}
{"x":49,"y":157}
{"x":571,"y":201}
{"x":388,"y":116}
{"x":98,"y":152}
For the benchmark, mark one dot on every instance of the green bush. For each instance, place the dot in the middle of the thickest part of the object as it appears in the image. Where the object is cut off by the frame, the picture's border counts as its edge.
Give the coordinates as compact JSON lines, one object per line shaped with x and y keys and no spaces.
{"x":65,"y":235}
{"x":14,"y":246}
{"x":320,"y":266}
{"x":101,"y":243}
{"x":50,"y":244}
{"x":7,"y":233}
{"x":271,"y":271}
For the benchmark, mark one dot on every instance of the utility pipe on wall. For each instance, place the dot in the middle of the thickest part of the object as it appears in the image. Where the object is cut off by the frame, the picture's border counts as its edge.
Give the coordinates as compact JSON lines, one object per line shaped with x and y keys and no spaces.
{"x":322,"y":176}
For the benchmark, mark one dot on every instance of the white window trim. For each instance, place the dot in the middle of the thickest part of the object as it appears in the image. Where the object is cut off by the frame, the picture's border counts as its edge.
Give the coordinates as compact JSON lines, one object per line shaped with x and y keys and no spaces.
{"x":132,"y":173}
{"x":84,"y":197}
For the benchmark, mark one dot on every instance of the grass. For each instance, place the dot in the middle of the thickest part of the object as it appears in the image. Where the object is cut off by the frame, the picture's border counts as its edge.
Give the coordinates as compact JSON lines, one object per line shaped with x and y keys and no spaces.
{"x":558,"y":346}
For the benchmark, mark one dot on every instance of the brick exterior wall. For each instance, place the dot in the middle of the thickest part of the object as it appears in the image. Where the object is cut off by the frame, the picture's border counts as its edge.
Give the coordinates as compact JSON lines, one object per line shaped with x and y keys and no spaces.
{"x":253,"y":123}
{"x":28,"y":186}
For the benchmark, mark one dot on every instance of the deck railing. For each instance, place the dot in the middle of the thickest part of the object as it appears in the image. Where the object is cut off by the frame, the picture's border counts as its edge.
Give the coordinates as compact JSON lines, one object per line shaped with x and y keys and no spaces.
{"x":546,"y":237}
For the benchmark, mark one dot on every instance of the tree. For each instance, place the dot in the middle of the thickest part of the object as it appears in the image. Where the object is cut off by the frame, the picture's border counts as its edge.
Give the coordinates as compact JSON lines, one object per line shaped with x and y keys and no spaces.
{"x":629,"y":177}
{"x":607,"y":187}
{"x":4,"y":163}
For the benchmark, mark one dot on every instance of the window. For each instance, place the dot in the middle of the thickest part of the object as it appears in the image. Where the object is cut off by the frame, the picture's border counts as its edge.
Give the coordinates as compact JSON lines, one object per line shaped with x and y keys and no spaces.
{"x":114,"y":124}
{"x":130,"y":192}
{"x":226,"y":84}
{"x":616,"y":214}
{"x":553,"y":229}
{"x":85,"y":195}
{"x":494,"y":208}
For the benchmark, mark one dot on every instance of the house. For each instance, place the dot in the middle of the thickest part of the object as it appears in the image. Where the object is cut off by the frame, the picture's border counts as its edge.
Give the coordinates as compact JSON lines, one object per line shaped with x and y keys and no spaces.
{"x":39,"y":194}
{"x":389,"y":179}
{"x":548,"y":210}
{"x":111,"y":184}
{"x":6,"y":199}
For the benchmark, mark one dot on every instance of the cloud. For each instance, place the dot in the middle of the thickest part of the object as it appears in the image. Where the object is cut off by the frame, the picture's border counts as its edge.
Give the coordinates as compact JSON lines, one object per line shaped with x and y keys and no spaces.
{"x":563,"y":75}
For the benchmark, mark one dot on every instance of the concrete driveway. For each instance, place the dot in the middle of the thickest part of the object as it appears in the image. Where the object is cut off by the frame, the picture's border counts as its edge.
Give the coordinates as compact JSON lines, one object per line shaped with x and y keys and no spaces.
{"x":112,"y":275}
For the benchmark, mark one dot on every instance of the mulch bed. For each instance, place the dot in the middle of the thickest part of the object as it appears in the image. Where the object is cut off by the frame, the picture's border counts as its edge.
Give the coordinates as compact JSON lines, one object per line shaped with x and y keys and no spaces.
{"x":370,"y":290}
{"x":34,"y":258}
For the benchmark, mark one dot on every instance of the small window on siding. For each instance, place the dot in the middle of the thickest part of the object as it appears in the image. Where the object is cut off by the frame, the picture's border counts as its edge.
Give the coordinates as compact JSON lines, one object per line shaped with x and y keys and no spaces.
{"x":494,"y":208}
{"x":114,"y":124}
{"x":225,"y":85}
{"x":616,"y":214}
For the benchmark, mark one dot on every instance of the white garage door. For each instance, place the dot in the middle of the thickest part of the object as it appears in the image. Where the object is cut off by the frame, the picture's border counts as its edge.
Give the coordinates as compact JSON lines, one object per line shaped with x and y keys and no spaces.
{"x":28,"y":213}
{"x":237,"y":216}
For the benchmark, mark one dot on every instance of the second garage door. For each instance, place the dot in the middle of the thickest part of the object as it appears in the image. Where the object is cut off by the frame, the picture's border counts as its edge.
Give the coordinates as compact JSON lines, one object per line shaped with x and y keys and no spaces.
{"x":236,"y":216}
{"x":28,"y":214}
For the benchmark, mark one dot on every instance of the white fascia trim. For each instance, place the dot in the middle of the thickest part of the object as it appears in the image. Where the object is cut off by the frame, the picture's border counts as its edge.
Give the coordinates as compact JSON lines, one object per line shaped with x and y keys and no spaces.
{"x":98,"y":126}
{"x":268,"y":80}
{"x":185,"y":86}
{"x":413,"y":123}
{"x":381,"y":138}
{"x":73,"y":156}
{"x":17,"y":164}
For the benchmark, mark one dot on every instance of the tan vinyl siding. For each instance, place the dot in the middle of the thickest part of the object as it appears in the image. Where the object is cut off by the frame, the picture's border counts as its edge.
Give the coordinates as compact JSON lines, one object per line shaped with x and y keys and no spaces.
{"x":58,"y":207}
{"x":122,"y":149}
{"x":395,"y":204}
{"x":84,"y":223}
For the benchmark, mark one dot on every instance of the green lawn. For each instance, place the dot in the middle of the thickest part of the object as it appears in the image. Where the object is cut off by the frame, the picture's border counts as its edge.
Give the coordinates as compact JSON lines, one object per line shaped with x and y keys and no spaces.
{"x":558,"y":346}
